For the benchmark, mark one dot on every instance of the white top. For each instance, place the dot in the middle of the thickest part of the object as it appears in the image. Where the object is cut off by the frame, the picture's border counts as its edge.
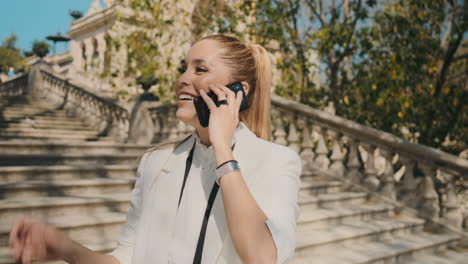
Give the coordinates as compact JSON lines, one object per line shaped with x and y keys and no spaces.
{"x":157,"y":232}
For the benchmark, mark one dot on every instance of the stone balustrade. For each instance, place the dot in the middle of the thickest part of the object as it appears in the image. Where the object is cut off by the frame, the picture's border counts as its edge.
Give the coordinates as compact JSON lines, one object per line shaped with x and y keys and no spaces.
{"x":15,"y":87}
{"x":106,"y":116}
{"x":426,"y":179}
{"x":423,"y":178}
{"x":167,"y":127}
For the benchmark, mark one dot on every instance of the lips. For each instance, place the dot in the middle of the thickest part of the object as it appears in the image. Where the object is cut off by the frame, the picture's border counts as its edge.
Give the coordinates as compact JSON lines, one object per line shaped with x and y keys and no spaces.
{"x":186,"y":97}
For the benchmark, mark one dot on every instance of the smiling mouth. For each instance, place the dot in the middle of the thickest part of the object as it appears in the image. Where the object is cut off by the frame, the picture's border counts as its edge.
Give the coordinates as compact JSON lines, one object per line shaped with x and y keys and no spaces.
{"x":186,"y":97}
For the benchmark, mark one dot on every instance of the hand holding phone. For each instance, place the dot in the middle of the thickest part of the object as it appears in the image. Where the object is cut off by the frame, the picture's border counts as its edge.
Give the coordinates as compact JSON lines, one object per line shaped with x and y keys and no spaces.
{"x":203,"y":112}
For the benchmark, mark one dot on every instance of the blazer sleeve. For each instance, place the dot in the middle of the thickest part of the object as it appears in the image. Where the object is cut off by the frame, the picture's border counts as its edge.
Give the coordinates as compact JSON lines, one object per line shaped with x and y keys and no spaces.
{"x":278,"y":198}
{"x":124,"y":250}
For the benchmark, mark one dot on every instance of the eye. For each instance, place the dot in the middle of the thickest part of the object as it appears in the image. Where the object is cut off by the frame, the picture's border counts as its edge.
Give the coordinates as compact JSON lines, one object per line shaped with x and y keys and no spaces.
{"x":181,"y":69}
{"x":198,"y":69}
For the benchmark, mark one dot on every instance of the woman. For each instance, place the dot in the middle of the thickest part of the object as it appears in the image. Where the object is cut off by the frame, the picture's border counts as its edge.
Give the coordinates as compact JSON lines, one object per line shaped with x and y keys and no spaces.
{"x":176,"y":213}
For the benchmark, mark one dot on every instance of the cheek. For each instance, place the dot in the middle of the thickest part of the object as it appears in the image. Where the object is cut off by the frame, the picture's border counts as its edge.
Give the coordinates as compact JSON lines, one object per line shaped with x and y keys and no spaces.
{"x":203,"y":81}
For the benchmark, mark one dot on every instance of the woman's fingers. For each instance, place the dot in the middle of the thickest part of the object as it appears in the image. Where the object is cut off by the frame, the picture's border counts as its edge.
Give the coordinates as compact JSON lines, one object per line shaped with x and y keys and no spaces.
{"x":231,"y":96}
{"x":221,"y":95}
{"x":209,"y":102}
{"x":38,"y":241}
{"x":14,"y":241}
{"x":27,"y":251}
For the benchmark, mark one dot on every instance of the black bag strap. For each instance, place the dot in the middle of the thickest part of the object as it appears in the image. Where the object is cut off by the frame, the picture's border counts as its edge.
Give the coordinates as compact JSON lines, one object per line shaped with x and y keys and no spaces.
{"x":214,"y":191}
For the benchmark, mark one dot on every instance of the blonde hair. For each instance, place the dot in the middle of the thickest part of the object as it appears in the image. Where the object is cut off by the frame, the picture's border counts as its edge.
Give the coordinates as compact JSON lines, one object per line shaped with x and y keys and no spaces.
{"x":250,"y":62}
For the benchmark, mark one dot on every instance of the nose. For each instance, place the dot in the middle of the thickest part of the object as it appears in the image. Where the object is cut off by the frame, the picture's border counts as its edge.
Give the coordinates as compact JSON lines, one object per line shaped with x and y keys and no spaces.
{"x":184,"y":80}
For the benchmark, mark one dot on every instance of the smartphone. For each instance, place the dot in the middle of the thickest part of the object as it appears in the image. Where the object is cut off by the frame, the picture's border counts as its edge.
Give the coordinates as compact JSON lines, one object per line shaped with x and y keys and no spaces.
{"x":203,"y":112}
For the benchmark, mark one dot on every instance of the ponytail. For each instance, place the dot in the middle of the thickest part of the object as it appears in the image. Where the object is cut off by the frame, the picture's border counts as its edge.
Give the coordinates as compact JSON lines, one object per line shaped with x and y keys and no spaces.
{"x":258,"y":116}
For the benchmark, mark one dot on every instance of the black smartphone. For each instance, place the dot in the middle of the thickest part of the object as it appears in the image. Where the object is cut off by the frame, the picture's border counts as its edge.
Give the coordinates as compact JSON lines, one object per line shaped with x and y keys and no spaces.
{"x":203,"y":112}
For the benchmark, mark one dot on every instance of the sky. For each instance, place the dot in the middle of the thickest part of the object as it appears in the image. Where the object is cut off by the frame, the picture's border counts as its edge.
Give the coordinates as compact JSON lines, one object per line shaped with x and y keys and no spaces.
{"x":34,"y":20}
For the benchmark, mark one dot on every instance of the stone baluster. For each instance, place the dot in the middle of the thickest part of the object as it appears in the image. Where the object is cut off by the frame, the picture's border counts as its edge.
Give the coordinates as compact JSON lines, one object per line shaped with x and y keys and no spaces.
{"x":452,"y":211}
{"x":165,"y":124}
{"x":430,"y":200}
{"x":354,"y":163}
{"x":158,"y":124}
{"x":293,"y":135}
{"x":172,"y":122}
{"x":388,"y":181}
{"x":307,"y":153}
{"x":280,"y":133}
{"x":407,"y":187}
{"x":337,"y":156}
{"x":321,"y":159}
{"x":370,"y":180}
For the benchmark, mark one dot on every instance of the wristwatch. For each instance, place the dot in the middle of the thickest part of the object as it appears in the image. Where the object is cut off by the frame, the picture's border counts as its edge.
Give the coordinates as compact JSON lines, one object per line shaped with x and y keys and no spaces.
{"x":225,"y":168}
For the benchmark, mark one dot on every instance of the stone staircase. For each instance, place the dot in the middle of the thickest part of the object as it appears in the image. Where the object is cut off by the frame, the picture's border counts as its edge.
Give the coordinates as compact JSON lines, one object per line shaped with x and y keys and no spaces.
{"x":340,"y":224}
{"x":56,"y":168}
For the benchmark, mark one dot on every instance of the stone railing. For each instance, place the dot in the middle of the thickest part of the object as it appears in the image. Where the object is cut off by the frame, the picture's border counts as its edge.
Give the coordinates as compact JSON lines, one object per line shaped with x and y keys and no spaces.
{"x":15,"y":87}
{"x":167,"y":127}
{"x":426,"y":179}
{"x":100,"y":113}
{"x":423,"y":178}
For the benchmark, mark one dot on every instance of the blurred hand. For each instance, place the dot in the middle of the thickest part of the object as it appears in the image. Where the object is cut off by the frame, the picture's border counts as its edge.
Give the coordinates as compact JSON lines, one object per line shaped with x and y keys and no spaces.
{"x":31,"y":240}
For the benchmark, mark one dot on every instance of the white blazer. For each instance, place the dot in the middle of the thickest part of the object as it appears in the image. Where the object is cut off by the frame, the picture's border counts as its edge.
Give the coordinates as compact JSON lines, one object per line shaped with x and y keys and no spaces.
{"x":154,"y":224}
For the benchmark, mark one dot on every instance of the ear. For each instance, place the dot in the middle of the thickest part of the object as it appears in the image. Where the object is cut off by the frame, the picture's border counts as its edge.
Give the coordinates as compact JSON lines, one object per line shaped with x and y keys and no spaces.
{"x":246,"y":87}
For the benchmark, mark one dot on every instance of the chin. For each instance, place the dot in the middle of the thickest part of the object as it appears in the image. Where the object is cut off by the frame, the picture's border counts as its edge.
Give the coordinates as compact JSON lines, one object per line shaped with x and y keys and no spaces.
{"x":187,"y":116}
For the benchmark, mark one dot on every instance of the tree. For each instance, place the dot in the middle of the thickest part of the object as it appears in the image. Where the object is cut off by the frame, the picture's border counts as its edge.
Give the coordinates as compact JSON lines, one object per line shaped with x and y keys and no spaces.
{"x":10,"y":56}
{"x":41,"y":48}
{"x":399,"y":66}
{"x":414,"y":74}
{"x":386,"y":64}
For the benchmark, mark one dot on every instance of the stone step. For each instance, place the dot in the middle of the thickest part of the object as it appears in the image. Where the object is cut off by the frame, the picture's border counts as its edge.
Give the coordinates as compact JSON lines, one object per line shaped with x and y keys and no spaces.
{"x":41,"y":131}
{"x":43,"y":188}
{"x":46,"y":208}
{"x":56,"y":139}
{"x":311,"y":241}
{"x":63,"y":172}
{"x":102,"y":247}
{"x":50,"y":123}
{"x":18,"y":103}
{"x":30,"y":108}
{"x":40,"y":118}
{"x":24,"y":124}
{"x":34,"y":147}
{"x":332,"y":200}
{"x":25,"y":107}
{"x":100,"y":227}
{"x":12,"y":113}
{"x":67,"y":159}
{"x":47,"y":137}
{"x":443,"y":257}
{"x":315,"y":187}
{"x":327,"y":217}
{"x":401,"y":249}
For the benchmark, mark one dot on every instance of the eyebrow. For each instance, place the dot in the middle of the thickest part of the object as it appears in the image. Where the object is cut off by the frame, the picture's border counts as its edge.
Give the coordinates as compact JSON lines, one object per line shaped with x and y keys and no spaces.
{"x":195,"y":61}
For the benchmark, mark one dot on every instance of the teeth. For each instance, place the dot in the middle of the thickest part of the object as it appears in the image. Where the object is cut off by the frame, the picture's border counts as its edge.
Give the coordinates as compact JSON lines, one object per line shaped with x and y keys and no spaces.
{"x":185,"y":97}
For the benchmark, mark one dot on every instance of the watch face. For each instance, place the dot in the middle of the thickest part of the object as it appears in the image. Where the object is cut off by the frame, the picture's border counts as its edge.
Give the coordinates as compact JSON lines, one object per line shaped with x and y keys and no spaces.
{"x":235,"y":166}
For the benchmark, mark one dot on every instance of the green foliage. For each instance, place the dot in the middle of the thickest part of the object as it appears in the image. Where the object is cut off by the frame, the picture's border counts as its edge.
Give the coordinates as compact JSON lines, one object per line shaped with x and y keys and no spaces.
{"x":10,"y":56}
{"x":393,"y":65}
{"x":389,"y":65}
{"x":41,"y":48}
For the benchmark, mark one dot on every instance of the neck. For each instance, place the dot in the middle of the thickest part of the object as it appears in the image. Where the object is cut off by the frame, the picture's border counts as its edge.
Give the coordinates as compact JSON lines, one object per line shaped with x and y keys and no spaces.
{"x":204,"y":135}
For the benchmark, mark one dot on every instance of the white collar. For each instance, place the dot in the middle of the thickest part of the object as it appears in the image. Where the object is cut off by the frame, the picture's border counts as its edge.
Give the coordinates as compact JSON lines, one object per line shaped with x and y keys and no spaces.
{"x":205,"y":154}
